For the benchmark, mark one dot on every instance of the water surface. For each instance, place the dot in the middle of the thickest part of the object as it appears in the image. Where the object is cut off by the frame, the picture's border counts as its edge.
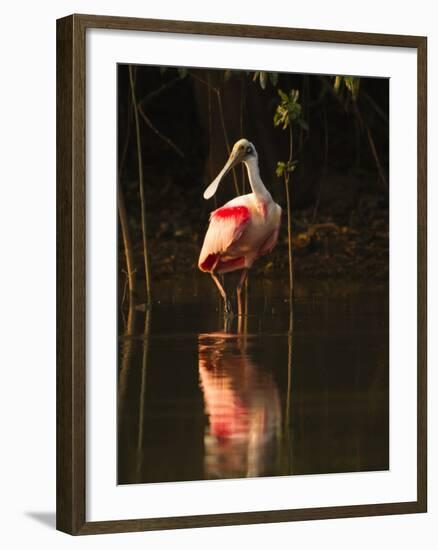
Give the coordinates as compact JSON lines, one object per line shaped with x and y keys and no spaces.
{"x":200,"y":400}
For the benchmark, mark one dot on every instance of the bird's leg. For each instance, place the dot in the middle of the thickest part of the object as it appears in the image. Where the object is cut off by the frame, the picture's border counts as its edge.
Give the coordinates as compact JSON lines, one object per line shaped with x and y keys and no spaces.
{"x":228,"y":310}
{"x":239,"y":291}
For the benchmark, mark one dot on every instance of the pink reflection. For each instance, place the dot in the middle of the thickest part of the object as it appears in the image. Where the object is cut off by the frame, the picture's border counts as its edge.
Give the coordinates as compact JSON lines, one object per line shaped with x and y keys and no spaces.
{"x":243,"y":409}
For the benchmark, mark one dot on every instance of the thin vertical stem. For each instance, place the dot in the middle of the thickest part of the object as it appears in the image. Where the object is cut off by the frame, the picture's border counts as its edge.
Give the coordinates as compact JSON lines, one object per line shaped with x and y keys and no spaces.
{"x":227,"y":142}
{"x":242,"y":134}
{"x":289,"y":218}
{"x":243,"y":176}
{"x":288,"y":401}
{"x":222,"y":119}
{"x":357,"y":142}
{"x":144,"y":368}
{"x":127,"y":242}
{"x":245,"y":310}
{"x":123,"y":216}
{"x":324,"y":169}
{"x":125,"y":353}
{"x":376,"y":157}
{"x":372,"y":145}
{"x":141,"y":186}
{"x":289,"y":235}
{"x":289,"y":377}
{"x":210,"y":125}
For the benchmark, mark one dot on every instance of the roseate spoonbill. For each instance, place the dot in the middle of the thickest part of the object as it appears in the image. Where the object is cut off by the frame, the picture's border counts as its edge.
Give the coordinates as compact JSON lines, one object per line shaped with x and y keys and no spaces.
{"x":243,"y":229}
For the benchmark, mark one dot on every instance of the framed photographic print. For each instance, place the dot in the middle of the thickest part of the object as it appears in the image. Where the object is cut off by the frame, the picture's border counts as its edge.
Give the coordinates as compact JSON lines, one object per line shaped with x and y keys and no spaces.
{"x":241,"y":274}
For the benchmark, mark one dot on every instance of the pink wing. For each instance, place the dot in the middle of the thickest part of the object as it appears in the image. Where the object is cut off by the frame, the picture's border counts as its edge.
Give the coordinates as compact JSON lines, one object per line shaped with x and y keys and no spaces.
{"x":270,"y":242}
{"x":226,"y":226}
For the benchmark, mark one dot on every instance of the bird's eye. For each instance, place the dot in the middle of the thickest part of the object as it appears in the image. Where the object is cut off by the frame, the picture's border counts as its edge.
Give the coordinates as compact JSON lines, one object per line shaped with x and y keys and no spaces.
{"x":248,"y":150}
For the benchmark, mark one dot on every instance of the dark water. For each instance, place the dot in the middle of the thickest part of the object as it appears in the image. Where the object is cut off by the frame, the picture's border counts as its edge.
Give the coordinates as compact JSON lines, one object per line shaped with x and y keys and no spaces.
{"x":198,"y":400}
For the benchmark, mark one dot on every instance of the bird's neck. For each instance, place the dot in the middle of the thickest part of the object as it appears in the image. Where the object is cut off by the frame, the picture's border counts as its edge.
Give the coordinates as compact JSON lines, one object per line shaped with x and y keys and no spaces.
{"x":255,"y":180}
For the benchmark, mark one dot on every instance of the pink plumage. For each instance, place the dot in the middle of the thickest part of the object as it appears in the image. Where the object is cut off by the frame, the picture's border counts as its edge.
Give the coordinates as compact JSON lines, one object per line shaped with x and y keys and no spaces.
{"x":244,"y":228}
{"x":226,"y":226}
{"x":239,"y":232}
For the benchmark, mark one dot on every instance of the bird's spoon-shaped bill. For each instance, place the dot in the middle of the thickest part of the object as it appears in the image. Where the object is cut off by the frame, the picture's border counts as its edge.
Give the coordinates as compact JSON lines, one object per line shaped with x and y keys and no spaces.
{"x":212,"y":188}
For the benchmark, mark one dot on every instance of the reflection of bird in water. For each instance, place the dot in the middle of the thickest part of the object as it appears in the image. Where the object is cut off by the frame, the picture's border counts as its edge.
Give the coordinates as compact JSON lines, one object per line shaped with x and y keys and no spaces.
{"x":243,"y":406}
{"x":244,"y":228}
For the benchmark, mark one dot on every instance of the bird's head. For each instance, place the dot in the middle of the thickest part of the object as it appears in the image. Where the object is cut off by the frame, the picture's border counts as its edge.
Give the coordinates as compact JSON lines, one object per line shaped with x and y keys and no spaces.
{"x":243,"y":150}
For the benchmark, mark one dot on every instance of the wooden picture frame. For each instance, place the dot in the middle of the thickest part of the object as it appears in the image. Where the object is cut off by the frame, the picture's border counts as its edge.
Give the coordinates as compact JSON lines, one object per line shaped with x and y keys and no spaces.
{"x":71,"y":274}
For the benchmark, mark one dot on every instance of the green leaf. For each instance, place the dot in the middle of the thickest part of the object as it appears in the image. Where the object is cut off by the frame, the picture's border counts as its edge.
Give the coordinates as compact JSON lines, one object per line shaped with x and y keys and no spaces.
{"x":289,"y":110}
{"x":352,"y":83}
{"x":294,"y":95}
{"x":273,"y":77}
{"x":283,"y":168}
{"x":263,"y":79}
{"x":283,"y":96}
{"x":280,"y":169}
{"x":182,"y":71}
{"x":277,"y":118}
{"x":227,"y":75}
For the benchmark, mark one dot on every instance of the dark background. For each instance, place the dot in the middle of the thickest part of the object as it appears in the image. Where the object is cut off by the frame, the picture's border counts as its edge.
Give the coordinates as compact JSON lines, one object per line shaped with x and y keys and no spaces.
{"x":190,"y":117}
